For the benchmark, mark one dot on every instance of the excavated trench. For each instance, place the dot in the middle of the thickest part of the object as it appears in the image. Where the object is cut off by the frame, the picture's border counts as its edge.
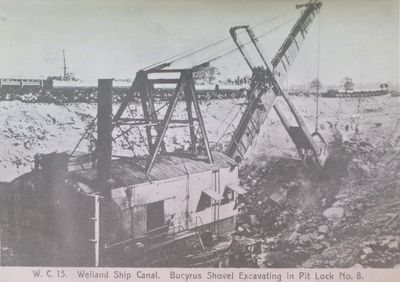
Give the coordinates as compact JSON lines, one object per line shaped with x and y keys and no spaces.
{"x":343,"y":216}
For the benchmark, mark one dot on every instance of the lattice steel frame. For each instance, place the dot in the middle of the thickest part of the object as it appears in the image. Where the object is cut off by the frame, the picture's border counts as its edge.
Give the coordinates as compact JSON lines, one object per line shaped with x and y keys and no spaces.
{"x":185,"y":89}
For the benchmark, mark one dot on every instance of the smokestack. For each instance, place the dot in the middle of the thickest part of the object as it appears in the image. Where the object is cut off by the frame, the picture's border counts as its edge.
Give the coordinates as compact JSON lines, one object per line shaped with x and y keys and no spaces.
{"x":104,"y":135}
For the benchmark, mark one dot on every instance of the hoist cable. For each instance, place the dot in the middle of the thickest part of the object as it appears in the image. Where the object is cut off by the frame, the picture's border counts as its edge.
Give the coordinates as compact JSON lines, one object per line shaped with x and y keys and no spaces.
{"x":189,"y":53}
{"x":231,"y":51}
{"x":230,"y":109}
{"x":229,"y":125}
{"x":89,"y":127}
{"x":318,"y":81}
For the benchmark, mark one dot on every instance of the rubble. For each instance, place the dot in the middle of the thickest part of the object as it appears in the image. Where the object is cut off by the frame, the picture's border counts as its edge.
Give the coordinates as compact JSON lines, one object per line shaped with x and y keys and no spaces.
{"x":334,"y":213}
{"x":322,"y":221}
{"x":323,"y":229}
{"x":393,"y":245}
{"x":367,"y":250}
{"x":254,"y":219}
{"x":279,"y":196}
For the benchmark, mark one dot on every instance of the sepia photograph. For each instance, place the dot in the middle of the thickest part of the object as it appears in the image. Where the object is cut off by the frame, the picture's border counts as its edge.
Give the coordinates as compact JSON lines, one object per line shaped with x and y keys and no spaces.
{"x":186,"y":134}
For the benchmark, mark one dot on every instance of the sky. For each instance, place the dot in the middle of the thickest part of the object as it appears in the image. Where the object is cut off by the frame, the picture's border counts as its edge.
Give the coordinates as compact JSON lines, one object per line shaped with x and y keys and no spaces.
{"x":116,"y":38}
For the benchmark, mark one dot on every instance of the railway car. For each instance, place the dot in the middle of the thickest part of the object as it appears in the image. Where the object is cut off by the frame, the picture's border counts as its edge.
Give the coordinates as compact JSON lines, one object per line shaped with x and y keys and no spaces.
{"x":21,"y":82}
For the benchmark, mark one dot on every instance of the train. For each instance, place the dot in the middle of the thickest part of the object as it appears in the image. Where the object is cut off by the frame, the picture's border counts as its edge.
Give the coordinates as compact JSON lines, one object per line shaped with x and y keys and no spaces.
{"x":56,"y":90}
{"x":22,"y":82}
{"x":57,"y":83}
{"x":354,"y":93}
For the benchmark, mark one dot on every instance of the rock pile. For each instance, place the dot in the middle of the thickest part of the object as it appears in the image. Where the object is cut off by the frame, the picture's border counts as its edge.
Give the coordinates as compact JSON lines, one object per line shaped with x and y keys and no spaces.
{"x":380,"y":252}
{"x":319,"y":221}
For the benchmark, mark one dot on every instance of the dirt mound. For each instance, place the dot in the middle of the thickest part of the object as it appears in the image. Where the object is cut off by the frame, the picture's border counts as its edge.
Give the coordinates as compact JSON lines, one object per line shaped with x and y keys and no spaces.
{"x":347,"y":215}
{"x":32,"y":128}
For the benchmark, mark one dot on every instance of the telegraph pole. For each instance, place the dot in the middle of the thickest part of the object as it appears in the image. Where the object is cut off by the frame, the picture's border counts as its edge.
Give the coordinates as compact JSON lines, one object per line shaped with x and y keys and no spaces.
{"x":65,"y":65}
